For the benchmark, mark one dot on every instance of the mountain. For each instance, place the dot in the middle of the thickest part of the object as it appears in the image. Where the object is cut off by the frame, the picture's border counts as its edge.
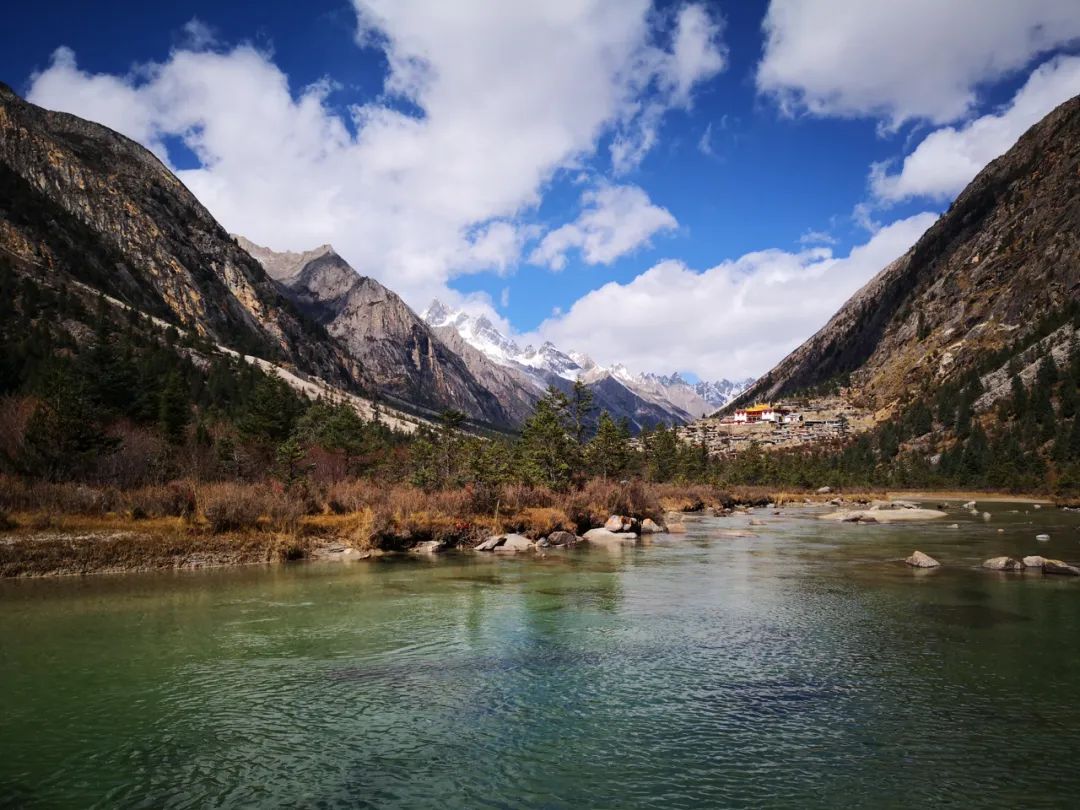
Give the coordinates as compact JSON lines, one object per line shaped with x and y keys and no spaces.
{"x":644,"y":399}
{"x":82,"y":203}
{"x":1003,"y":259}
{"x":398,"y":351}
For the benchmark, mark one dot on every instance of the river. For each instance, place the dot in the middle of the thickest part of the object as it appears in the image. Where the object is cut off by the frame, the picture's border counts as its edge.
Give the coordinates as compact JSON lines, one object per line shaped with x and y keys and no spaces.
{"x":800,"y":667}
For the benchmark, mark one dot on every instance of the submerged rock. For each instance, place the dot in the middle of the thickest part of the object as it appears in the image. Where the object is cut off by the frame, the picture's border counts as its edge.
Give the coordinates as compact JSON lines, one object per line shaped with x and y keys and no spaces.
{"x":1003,"y":564}
{"x":920,"y":560}
{"x":1059,"y":567}
{"x":676,"y":527}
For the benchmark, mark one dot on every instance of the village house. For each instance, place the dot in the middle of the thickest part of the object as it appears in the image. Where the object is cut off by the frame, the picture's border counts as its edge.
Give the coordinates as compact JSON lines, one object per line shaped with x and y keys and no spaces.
{"x":761,"y":412}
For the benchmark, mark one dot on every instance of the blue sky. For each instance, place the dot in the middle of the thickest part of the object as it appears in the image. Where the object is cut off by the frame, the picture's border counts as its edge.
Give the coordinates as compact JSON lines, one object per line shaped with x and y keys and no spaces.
{"x":780,"y":153}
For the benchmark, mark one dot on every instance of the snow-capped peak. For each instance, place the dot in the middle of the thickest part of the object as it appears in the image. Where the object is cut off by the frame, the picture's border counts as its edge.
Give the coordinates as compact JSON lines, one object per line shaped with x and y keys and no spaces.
{"x":668,"y":390}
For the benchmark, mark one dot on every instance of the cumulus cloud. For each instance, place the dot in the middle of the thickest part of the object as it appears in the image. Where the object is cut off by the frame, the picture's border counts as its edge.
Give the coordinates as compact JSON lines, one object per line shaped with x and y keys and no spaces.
{"x":902,"y":60}
{"x":734,"y":320}
{"x":947,"y":159}
{"x":505,"y":94}
{"x":614,"y":221}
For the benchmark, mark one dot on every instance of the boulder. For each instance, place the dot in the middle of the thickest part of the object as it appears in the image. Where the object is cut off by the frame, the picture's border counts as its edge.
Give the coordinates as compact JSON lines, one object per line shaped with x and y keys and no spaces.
{"x":649,"y":526}
{"x":491,"y":543}
{"x":1034,"y":561}
{"x":676,"y":527}
{"x":883,"y":515}
{"x":969,"y":505}
{"x":985,"y":515}
{"x":824,"y":490}
{"x":604,"y":536}
{"x":1059,"y":567}
{"x":1043,"y":538}
{"x":515,"y":543}
{"x":920,"y":560}
{"x":1003,"y":564}
{"x":562,"y":538}
{"x":543,"y":542}
{"x":429,"y":547}
{"x":620,"y":523}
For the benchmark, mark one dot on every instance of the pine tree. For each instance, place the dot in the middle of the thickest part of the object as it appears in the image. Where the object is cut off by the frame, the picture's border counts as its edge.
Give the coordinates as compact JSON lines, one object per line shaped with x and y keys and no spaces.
{"x":580,"y":406}
{"x":608,"y":453}
{"x":174,"y":409}
{"x":546,"y":449}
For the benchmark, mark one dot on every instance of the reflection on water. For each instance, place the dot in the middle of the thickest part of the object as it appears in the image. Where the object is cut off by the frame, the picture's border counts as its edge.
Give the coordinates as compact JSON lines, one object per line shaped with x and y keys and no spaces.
{"x":801,"y":666}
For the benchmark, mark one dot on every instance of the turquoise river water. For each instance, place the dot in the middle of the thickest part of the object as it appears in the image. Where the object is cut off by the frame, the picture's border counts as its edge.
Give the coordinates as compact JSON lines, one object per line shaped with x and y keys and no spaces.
{"x":801,"y":667}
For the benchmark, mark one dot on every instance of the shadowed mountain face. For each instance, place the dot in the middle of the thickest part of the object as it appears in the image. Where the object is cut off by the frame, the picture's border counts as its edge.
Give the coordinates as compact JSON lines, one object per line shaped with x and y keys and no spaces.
{"x":402,"y":355}
{"x":81,"y":202}
{"x":1005,"y":254}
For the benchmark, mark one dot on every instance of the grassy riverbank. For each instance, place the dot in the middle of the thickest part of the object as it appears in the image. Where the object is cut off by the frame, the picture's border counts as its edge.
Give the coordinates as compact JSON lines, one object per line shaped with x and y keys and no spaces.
{"x":54,"y":529}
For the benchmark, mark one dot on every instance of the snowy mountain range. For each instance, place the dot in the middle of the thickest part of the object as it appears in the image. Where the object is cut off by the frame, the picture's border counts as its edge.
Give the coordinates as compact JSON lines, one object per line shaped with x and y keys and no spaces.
{"x":655,"y":397}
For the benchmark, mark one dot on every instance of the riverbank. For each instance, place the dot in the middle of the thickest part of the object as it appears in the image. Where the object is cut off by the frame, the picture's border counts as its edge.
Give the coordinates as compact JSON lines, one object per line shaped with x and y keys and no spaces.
{"x":67,"y":529}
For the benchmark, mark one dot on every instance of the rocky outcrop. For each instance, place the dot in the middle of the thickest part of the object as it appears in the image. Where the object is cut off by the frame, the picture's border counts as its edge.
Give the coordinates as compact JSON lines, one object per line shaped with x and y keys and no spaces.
{"x":1007,"y":249}
{"x":401,"y":354}
{"x":81,"y":202}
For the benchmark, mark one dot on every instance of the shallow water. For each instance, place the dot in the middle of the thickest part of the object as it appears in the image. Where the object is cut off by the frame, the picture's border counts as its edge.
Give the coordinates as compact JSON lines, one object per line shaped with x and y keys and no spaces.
{"x":803,"y":667}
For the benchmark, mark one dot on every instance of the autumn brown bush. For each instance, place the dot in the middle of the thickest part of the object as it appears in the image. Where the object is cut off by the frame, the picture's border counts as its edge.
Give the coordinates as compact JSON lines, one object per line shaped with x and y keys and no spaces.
{"x":233,"y":507}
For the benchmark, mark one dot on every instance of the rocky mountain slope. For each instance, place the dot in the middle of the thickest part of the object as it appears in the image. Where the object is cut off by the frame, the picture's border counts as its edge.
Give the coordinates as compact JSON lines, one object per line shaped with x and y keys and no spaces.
{"x":81,"y":202}
{"x":644,"y":399}
{"x":1003,"y":257}
{"x":398,"y":351}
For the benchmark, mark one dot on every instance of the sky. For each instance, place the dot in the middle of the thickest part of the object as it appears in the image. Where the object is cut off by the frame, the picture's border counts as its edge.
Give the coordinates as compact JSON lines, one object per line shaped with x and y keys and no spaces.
{"x":691,"y":186}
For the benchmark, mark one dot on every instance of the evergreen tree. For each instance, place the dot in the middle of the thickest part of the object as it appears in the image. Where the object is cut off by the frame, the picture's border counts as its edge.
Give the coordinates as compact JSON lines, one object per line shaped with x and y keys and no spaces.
{"x":174,"y":409}
{"x":608,"y":453}
{"x":65,"y":435}
{"x":580,"y":406}
{"x":546,"y":449}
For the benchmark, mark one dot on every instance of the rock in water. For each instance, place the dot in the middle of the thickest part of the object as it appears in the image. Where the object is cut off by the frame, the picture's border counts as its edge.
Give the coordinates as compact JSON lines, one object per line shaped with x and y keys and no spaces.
{"x":1003,"y":564}
{"x":1059,"y":567}
{"x":1034,"y":561}
{"x":604,"y":536}
{"x":516,"y":542}
{"x":969,"y":505}
{"x":649,"y":526}
{"x":491,"y":543}
{"x":920,"y":560}
{"x":1043,"y":538}
{"x":562,"y":538}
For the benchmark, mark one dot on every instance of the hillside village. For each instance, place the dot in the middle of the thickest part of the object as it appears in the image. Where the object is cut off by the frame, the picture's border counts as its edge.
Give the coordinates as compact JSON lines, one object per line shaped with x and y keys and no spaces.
{"x":781,"y":424}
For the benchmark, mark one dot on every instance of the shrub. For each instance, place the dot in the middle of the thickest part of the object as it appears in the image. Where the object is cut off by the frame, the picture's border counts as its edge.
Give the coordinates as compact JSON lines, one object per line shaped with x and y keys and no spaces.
{"x":232,"y":507}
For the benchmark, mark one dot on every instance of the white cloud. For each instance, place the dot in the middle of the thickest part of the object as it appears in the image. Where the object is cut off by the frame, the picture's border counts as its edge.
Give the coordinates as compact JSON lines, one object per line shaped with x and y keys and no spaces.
{"x":507,"y":93}
{"x":948,"y":159}
{"x":733,"y":320}
{"x":704,"y":143}
{"x":615,"y":220}
{"x":817,"y":238}
{"x":696,"y":54}
{"x":902,"y":60}
{"x":504,"y":298}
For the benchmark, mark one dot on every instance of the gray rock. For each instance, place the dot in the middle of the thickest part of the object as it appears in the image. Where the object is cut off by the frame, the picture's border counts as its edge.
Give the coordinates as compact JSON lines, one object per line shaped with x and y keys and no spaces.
{"x":1034,"y":561}
{"x":920,"y":560}
{"x":824,"y":490}
{"x":429,"y":547}
{"x":562,"y":538}
{"x":604,"y":536}
{"x":1043,"y":538}
{"x":649,"y":526}
{"x":516,"y":542}
{"x":1003,"y":564}
{"x":1059,"y":567}
{"x":491,"y":543}
{"x":969,"y":505}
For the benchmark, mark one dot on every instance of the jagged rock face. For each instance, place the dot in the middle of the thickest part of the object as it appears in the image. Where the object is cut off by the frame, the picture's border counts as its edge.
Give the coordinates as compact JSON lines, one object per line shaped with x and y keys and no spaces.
{"x":78,"y":200}
{"x":1005,"y":253}
{"x":401,"y":354}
